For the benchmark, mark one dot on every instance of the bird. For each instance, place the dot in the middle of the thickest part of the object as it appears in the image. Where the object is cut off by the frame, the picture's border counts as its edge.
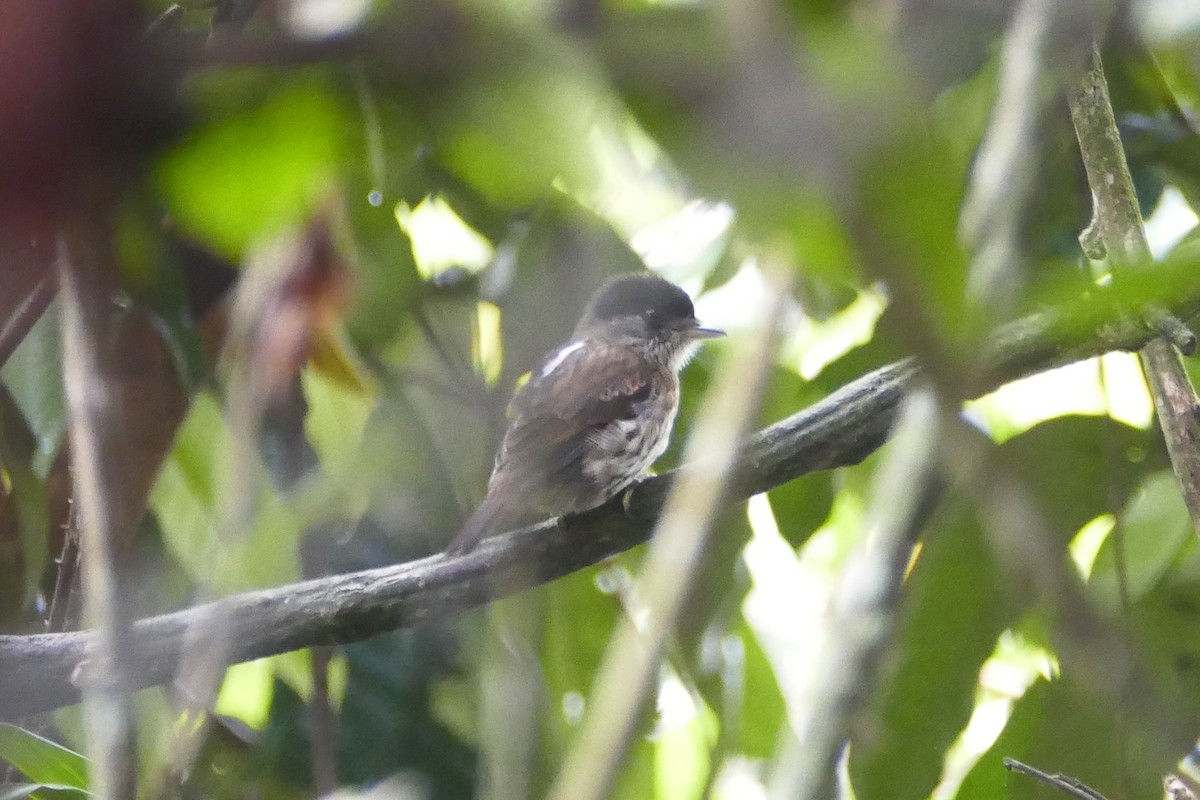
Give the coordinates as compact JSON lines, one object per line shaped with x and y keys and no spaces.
{"x":597,"y":411}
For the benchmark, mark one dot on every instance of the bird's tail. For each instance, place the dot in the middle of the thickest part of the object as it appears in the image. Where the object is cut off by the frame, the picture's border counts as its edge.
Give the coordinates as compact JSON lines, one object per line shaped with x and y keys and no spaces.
{"x":482,"y":523}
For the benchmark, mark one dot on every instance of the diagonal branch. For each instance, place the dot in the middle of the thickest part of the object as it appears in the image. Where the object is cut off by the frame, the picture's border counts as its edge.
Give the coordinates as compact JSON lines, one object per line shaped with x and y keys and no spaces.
{"x":14,"y":330}
{"x":842,"y":429}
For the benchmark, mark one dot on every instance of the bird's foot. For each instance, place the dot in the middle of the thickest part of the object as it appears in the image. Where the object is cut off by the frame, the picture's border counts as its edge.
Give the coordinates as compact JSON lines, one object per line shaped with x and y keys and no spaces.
{"x":627,"y":500}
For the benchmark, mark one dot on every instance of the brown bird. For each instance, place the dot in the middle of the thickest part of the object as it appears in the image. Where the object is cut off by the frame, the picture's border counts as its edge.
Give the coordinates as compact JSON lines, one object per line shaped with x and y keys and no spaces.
{"x":597,"y":412}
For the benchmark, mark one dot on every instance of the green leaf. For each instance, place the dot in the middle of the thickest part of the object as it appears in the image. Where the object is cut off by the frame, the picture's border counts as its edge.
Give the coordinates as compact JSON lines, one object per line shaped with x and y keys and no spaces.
{"x":516,"y":133}
{"x":191,"y":500}
{"x":39,"y":791}
{"x":1152,"y":531}
{"x":42,"y":760}
{"x":913,"y":198}
{"x":1064,"y":730}
{"x":386,"y":273}
{"x":581,"y":614}
{"x":33,"y":375}
{"x":239,"y":178}
{"x":1081,"y":466}
{"x":988,"y":779}
{"x":21,"y":569}
{"x":1065,"y":726}
{"x":1165,"y":621}
{"x":386,"y":722}
{"x":763,"y":712}
{"x":820,"y":242}
{"x":337,"y":416}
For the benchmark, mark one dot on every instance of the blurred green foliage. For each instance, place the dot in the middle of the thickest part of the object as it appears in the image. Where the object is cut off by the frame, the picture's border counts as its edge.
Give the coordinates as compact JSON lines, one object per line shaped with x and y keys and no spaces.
{"x":842,"y":139}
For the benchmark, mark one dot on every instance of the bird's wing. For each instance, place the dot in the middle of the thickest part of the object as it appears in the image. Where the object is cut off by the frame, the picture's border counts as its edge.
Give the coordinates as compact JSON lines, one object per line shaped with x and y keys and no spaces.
{"x":575,"y":393}
{"x":560,"y":408}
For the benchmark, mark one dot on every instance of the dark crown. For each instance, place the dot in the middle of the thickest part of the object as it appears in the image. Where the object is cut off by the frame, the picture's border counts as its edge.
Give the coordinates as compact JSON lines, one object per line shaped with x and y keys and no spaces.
{"x":639,"y":295}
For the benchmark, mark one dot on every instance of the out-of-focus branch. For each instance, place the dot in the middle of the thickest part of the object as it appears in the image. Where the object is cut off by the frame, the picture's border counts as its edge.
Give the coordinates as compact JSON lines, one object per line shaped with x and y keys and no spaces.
{"x":1118,"y":221}
{"x":842,"y":429}
{"x":1009,"y":513}
{"x":30,"y":311}
{"x":321,"y":745}
{"x":1003,"y":178}
{"x":844,"y":656}
{"x":86,"y":279}
{"x":628,"y":674}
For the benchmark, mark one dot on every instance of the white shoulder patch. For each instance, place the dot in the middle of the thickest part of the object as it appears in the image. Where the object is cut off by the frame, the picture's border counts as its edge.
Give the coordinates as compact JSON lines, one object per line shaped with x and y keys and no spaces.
{"x":560,"y":357}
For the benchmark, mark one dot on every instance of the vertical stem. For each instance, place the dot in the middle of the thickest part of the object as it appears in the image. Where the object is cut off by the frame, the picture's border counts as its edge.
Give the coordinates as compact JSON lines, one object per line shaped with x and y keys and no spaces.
{"x":1118,"y":221}
{"x":85,"y":276}
{"x":322,"y":742}
{"x":627,"y":676}
{"x":842,"y":659}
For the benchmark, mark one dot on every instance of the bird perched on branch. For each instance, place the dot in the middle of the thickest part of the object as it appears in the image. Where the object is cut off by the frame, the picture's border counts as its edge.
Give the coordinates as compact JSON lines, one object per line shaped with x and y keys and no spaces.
{"x":597,"y":412}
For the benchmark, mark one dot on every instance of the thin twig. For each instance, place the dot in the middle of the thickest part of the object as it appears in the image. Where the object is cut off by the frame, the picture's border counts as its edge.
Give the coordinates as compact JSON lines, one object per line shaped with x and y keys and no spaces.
{"x":29,"y":312}
{"x":842,"y":429}
{"x":167,"y":23}
{"x":1065,"y":783}
{"x":59,"y":616}
{"x":1119,"y":223}
{"x":456,"y":367}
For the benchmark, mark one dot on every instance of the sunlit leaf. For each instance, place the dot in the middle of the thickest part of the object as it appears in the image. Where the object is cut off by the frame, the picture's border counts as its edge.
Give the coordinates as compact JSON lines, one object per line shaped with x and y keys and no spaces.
{"x":1151,"y":532}
{"x":192,"y":500}
{"x":250,"y":173}
{"x":683,"y":751}
{"x":764,"y":714}
{"x":42,"y":760}
{"x":39,"y":791}
{"x":33,"y":375}
{"x":988,"y":779}
{"x":1079,"y":466}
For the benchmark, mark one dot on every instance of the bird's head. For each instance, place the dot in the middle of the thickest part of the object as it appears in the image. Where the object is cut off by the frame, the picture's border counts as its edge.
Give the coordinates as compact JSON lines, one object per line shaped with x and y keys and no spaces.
{"x":645,"y":310}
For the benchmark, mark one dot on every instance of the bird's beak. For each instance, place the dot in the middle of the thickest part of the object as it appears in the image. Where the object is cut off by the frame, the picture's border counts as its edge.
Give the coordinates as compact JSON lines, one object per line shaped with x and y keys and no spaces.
{"x":696,"y":329}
